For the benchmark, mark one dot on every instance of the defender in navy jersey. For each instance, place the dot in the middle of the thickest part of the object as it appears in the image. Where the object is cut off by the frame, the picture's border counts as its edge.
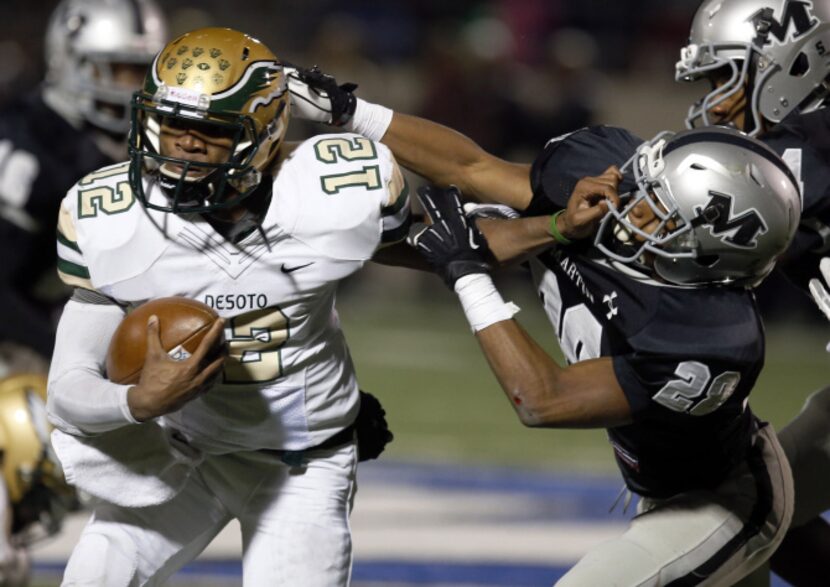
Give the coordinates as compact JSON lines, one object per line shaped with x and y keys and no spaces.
{"x":96,"y":54}
{"x":669,"y":382}
{"x":656,"y":318}
{"x":767,"y":64}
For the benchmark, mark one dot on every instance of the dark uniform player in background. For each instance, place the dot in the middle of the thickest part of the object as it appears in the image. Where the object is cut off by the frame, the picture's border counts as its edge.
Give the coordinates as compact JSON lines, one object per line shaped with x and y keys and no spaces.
{"x":767,"y":62}
{"x":663,"y":353}
{"x":768,"y":65}
{"x":96,"y":55}
{"x":657,"y":320}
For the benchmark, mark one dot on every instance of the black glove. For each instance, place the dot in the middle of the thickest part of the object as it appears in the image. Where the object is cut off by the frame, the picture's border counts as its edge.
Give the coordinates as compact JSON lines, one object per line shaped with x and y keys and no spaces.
{"x":452,"y":245}
{"x":316,"y":96}
{"x":373,"y":432}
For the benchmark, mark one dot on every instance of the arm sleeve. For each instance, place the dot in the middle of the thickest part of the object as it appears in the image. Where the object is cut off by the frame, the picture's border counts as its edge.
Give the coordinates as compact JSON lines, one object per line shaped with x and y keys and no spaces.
{"x":81,"y":400}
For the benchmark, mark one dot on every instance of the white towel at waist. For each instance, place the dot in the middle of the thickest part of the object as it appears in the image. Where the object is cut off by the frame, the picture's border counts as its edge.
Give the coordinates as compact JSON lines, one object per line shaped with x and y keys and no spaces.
{"x":134,"y":466}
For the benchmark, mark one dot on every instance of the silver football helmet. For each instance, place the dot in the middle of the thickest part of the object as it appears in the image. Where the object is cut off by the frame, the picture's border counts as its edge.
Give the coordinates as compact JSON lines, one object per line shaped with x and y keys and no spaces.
{"x":727,"y":206}
{"x":84,"y":40}
{"x":779,"y":48}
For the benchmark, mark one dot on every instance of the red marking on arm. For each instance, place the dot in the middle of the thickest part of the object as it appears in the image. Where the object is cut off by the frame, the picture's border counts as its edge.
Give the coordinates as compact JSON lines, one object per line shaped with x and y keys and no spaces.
{"x":517,"y":400}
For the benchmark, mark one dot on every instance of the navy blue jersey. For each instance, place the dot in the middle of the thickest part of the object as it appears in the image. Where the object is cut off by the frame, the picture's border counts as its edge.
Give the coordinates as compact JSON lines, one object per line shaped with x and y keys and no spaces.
{"x":686,"y":358}
{"x":41,"y":157}
{"x":804,"y":143}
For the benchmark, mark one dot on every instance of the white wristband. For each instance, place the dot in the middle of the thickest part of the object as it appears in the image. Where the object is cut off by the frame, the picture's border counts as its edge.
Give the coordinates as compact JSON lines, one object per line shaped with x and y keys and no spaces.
{"x":369,"y":120}
{"x":482,"y":302}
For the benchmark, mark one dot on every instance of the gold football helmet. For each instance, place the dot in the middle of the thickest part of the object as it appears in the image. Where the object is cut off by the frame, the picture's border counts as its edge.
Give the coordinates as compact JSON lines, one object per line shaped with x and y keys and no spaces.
{"x":222,"y":82}
{"x":33,"y":476}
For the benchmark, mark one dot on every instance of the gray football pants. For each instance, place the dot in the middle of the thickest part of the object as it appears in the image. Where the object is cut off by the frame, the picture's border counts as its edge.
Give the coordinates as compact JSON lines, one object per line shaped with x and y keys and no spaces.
{"x":711,"y":538}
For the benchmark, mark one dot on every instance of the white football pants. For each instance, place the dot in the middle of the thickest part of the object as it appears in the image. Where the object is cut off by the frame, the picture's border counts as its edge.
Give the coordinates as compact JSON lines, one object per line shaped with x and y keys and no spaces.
{"x":710,"y":538}
{"x":295,"y":525}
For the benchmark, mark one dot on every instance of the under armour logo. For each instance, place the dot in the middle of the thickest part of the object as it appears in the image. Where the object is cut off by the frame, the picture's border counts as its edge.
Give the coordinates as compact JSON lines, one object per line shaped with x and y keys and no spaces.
{"x":608,"y":299}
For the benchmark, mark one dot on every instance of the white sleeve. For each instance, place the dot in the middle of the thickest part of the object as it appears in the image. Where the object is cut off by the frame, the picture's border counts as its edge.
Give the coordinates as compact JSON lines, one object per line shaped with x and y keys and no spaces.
{"x":81,"y":400}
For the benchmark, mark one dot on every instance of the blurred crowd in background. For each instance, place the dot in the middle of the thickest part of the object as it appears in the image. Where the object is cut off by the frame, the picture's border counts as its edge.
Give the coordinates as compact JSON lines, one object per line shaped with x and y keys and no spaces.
{"x":511,"y":74}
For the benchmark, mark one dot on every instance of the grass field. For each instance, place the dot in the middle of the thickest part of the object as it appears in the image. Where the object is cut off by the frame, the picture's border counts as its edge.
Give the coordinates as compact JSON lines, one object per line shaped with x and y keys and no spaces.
{"x":413,"y":349}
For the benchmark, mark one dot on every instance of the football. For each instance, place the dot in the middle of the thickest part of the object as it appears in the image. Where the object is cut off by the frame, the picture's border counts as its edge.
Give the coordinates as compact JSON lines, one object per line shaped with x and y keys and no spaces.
{"x":182,"y":325}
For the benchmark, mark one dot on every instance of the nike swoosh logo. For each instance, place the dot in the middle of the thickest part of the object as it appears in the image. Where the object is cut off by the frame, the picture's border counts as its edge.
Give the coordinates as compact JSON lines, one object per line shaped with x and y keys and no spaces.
{"x":285,"y":269}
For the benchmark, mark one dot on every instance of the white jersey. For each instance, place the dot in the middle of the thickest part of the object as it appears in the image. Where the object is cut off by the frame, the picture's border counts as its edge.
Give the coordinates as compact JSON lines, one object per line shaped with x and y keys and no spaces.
{"x":289,"y":382}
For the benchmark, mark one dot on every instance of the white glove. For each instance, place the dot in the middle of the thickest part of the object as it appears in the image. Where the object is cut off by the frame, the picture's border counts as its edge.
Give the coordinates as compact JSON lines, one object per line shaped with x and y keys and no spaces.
{"x":316,"y":96}
{"x":819,"y":289}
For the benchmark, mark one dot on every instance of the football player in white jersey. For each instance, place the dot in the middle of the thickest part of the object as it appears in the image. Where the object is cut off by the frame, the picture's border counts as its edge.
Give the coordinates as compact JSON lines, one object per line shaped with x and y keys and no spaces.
{"x":214,"y":206}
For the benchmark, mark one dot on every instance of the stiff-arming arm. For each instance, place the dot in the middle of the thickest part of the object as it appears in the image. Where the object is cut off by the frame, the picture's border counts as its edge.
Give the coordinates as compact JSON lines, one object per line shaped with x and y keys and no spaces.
{"x":438,"y":153}
{"x":447,"y":157}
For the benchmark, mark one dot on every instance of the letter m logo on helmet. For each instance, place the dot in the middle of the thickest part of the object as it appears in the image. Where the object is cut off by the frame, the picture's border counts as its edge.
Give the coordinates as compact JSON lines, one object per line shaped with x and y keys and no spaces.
{"x":739,"y":231}
{"x":797,"y":13}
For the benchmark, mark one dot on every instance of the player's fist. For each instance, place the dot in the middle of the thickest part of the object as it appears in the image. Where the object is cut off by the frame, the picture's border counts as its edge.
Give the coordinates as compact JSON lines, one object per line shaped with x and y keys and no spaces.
{"x":317,"y":96}
{"x":588,"y":204}
{"x":166,"y":384}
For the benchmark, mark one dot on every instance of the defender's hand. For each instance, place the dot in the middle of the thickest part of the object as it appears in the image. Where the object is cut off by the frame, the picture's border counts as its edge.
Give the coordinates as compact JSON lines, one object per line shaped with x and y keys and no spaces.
{"x":589,"y":203}
{"x":166,"y":384}
{"x":452,"y":245}
{"x":820,"y":290}
{"x":317,"y":96}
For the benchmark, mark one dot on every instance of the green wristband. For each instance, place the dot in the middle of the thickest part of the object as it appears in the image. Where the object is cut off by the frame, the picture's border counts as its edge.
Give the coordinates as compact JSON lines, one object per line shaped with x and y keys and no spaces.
{"x":557,"y":236}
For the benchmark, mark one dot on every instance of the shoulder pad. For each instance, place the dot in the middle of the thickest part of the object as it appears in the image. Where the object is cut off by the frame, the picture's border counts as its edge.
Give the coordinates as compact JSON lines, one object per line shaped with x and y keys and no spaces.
{"x":331,"y":192}
{"x":567,"y":159}
{"x":99,"y":219}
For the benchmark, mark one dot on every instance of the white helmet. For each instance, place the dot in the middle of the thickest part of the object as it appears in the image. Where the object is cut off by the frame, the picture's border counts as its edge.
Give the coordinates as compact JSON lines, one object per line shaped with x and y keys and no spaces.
{"x":779,"y":48}
{"x":83,"y":40}
{"x":727,"y":207}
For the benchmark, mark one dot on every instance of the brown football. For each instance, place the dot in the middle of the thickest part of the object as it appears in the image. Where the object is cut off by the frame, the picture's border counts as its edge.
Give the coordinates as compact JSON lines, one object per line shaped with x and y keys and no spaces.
{"x":182,"y":324}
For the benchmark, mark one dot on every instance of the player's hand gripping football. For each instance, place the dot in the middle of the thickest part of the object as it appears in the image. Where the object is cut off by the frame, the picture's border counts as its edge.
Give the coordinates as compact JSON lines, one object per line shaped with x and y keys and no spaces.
{"x":452,"y":245}
{"x":820,"y":290}
{"x":588,"y":203}
{"x":167,"y":384}
{"x":317,"y":96}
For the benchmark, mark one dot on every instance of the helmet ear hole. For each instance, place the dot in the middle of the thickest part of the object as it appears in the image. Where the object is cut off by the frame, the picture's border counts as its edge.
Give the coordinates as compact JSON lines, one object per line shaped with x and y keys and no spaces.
{"x":800,"y":66}
{"x":707,"y":260}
